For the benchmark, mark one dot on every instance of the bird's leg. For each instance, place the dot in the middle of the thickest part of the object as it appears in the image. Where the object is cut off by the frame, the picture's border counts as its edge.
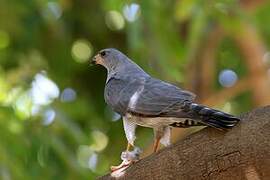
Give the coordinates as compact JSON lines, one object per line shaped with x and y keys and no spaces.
{"x":129,"y":146}
{"x":123,"y":164}
{"x":159,"y":132}
{"x":156,"y":144}
{"x":128,"y":157}
{"x":162,"y":135}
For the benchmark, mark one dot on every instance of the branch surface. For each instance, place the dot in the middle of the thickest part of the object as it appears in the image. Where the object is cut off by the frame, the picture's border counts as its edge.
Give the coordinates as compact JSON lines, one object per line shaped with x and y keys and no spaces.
{"x":241,"y":153}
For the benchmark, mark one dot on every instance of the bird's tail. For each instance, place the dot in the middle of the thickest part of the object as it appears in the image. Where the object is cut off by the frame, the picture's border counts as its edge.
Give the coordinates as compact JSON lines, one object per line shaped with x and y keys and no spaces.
{"x":212,"y":117}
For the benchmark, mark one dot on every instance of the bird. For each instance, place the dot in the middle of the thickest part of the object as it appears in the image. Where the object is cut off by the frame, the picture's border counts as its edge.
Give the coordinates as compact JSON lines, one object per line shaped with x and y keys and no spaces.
{"x":145,"y":101}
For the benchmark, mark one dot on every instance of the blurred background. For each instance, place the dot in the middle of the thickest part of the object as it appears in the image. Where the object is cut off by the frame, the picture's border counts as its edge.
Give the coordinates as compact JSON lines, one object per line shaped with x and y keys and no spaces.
{"x":54,"y":123}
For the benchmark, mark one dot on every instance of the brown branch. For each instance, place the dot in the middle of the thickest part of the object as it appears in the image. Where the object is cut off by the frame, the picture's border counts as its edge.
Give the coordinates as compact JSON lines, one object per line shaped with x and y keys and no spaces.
{"x":241,"y":153}
{"x":228,"y":93}
{"x":253,"y":49}
{"x":201,"y":67}
{"x":251,"y":5}
{"x":207,"y":62}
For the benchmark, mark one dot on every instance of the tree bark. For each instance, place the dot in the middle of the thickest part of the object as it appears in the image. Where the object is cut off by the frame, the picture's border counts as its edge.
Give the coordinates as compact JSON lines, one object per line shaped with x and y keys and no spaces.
{"x":240,"y":153}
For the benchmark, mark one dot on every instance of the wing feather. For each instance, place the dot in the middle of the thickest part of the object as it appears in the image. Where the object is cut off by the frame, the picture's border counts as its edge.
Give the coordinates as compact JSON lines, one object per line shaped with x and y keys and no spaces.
{"x":159,"y":96}
{"x":156,"y":97}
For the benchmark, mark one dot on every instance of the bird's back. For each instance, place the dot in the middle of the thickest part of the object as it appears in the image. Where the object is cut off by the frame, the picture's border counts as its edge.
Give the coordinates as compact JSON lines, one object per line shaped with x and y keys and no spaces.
{"x":144,"y":95}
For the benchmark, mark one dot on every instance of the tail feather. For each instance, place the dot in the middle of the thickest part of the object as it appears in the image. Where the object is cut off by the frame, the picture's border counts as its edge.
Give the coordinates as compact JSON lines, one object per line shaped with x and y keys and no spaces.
{"x":212,"y":117}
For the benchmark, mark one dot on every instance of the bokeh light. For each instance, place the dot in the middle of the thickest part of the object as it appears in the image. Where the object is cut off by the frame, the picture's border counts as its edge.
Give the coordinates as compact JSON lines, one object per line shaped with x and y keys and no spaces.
{"x":221,"y":7}
{"x":100,"y":140}
{"x":55,"y":8}
{"x":227,"y":78}
{"x":3,"y":89}
{"x":52,"y":11}
{"x":15,"y":127}
{"x":87,"y":158}
{"x":92,"y":161}
{"x":35,"y":110}
{"x":116,"y":116}
{"x":81,"y":50}
{"x":68,"y":95}
{"x":48,"y":117}
{"x":12,"y":95}
{"x":131,"y":12}
{"x":227,"y":107}
{"x":23,"y":105}
{"x":4,"y":39}
{"x":114,"y":20}
{"x":43,"y":90}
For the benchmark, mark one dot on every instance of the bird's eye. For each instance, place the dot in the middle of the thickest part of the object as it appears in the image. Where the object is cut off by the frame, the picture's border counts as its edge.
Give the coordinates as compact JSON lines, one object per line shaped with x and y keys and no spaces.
{"x":103,"y":53}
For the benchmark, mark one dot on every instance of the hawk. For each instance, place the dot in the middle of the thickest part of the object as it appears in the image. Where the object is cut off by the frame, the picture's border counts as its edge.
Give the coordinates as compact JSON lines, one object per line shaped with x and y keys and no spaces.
{"x":146,"y":101}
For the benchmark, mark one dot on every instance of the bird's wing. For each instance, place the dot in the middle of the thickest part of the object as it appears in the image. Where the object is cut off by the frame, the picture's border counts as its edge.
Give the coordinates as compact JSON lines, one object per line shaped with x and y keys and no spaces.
{"x":119,"y":90}
{"x":155,"y":97}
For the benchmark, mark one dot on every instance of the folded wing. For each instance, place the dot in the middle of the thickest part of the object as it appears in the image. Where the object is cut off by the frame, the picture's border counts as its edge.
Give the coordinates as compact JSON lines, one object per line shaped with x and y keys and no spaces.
{"x":158,"y":98}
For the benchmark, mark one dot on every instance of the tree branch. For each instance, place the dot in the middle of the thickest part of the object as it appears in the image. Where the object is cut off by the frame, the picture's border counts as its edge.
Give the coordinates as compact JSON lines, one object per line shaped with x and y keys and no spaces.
{"x":253,"y":50}
{"x":241,"y":153}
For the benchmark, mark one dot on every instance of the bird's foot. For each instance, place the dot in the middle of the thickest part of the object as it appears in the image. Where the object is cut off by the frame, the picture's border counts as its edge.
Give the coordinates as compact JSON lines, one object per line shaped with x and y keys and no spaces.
{"x":128,"y":157}
{"x":122,"y":166}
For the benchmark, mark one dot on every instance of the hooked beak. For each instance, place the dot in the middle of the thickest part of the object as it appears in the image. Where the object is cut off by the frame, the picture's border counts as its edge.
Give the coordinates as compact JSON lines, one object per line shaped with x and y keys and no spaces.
{"x":97,"y":59}
{"x":93,"y":61}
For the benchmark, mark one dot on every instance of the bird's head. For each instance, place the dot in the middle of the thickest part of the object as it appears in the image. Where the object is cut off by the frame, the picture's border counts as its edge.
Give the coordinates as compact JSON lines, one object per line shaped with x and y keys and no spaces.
{"x":109,"y":58}
{"x":116,"y":63}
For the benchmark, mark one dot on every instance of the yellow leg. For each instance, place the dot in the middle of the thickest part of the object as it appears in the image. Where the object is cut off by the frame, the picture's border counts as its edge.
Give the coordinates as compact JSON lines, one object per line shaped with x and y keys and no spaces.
{"x":129,"y":146}
{"x":156,"y":144}
{"x":124,"y":163}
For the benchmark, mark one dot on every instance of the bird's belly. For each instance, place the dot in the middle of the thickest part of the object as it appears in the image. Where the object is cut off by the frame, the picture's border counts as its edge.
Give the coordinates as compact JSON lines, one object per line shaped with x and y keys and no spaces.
{"x":153,"y":121}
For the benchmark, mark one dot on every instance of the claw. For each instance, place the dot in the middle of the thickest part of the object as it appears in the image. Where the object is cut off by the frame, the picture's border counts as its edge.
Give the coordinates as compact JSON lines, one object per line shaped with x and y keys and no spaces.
{"x":122,"y":166}
{"x":128,"y":157}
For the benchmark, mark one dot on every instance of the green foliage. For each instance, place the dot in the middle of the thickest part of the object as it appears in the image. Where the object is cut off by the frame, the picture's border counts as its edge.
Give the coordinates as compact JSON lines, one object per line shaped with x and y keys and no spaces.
{"x":54,"y":123}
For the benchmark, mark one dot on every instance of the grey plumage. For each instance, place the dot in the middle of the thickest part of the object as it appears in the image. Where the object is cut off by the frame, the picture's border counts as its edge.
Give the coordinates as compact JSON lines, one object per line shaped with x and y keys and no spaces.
{"x":156,"y":97}
{"x":150,"y":102}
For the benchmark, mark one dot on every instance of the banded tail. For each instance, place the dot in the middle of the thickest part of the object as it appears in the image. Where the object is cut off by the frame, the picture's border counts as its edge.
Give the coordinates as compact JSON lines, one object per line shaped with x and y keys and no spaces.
{"x":212,"y":117}
{"x":201,"y":115}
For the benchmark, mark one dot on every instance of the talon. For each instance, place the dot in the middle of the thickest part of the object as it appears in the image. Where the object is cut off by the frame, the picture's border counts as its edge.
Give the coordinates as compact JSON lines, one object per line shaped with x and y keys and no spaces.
{"x":128,"y":157}
{"x":124,"y":164}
